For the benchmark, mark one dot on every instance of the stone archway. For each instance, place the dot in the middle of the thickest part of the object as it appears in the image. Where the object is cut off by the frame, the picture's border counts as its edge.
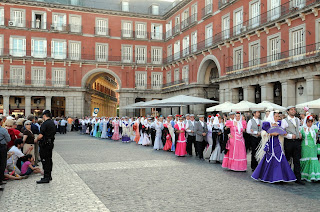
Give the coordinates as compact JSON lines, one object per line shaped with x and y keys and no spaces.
{"x":209,"y":61}
{"x":95,"y":72}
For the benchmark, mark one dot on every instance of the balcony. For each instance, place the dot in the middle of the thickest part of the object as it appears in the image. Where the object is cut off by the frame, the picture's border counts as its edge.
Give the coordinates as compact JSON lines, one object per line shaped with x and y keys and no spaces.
{"x":32,"y":83}
{"x":293,"y":55}
{"x":74,"y":28}
{"x":157,"y":36}
{"x":104,"y":95}
{"x":127,"y":34}
{"x":189,"y":22}
{"x":54,"y":27}
{"x":224,"y":3}
{"x":176,"y":29}
{"x":206,"y":11}
{"x":101,"y":31}
{"x":141,"y":35}
{"x":168,"y":34}
{"x":175,"y":84}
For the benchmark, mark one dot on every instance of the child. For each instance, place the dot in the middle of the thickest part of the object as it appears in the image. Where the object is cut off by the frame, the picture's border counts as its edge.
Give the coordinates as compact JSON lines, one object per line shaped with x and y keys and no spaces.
{"x":28,"y":166}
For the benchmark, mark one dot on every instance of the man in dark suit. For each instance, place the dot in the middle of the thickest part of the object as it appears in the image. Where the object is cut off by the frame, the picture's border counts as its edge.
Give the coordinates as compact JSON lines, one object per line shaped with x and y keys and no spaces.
{"x":201,"y":131}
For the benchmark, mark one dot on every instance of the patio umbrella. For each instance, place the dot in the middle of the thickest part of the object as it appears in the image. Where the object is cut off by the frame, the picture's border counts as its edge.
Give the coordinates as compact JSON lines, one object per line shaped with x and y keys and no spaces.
{"x":223,"y":106}
{"x":156,"y":104}
{"x":271,"y":106}
{"x":246,"y":106}
{"x":132,"y":106}
{"x":315,"y":104}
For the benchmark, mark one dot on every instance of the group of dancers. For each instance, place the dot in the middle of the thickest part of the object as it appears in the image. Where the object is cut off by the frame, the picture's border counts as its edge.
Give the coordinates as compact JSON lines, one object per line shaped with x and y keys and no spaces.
{"x":283,"y":149}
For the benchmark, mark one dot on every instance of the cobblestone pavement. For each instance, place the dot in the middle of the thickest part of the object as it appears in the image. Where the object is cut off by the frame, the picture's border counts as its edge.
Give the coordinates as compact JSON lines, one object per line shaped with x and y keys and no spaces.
{"x":92,"y":174}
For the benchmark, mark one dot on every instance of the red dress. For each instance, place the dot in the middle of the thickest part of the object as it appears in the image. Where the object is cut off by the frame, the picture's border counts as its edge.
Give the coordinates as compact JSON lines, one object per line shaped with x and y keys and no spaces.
{"x":181,"y":147}
{"x":168,"y":144}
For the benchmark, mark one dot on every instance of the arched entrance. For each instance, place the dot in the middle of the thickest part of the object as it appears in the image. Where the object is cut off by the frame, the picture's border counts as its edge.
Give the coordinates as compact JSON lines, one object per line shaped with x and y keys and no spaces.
{"x":101,"y":92}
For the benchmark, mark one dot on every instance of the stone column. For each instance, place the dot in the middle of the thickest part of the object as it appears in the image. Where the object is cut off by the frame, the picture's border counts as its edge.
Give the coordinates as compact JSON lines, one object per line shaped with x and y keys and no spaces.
{"x":69,"y":109}
{"x":248,"y":93}
{"x":48,"y":102}
{"x":222,"y":95}
{"x":234,"y":95}
{"x":312,"y":89}
{"x":27,"y":105}
{"x":288,"y":93}
{"x":267,"y":92}
{"x":6,"y":104}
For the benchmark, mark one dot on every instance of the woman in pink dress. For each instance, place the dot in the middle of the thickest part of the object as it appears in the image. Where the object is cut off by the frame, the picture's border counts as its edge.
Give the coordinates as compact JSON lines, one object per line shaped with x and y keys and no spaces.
{"x":181,"y":147}
{"x":115,"y":125}
{"x":236,"y":157}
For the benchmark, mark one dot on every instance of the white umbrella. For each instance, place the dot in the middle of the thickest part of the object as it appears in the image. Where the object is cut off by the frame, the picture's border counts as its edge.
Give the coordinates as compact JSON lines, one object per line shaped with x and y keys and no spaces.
{"x":156,"y":104}
{"x":271,"y":106}
{"x":246,"y":106}
{"x":222,"y":107}
{"x":315,"y":104}
{"x":135,"y":105}
{"x":186,"y":100}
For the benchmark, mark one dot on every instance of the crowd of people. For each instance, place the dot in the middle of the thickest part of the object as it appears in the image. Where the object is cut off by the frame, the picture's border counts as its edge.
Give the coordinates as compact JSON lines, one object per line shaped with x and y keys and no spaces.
{"x":24,"y":143}
{"x":283,"y":147}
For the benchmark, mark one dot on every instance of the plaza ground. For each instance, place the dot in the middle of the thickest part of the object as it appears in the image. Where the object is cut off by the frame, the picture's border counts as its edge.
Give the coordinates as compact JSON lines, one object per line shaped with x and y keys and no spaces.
{"x":93,"y":174}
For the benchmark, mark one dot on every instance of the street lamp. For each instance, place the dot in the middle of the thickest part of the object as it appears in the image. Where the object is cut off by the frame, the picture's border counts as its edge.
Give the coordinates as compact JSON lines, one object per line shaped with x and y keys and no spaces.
{"x":277,"y":92}
{"x":17,"y":103}
{"x":240,"y":96}
{"x":38,"y":102}
{"x":257,"y":94}
{"x":300,"y":88}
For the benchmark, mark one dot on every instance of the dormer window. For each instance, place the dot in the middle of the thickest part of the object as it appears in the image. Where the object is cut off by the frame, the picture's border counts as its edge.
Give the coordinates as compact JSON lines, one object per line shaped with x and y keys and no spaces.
{"x":155,"y":10}
{"x":125,"y":6}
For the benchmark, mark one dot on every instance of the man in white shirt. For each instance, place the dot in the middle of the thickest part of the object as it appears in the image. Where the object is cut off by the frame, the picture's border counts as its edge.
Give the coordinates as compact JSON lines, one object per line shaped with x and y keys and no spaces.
{"x":201,"y":131}
{"x":191,"y":136}
{"x":63,"y":126}
{"x":17,"y":153}
{"x":254,"y":128}
{"x":292,"y":141}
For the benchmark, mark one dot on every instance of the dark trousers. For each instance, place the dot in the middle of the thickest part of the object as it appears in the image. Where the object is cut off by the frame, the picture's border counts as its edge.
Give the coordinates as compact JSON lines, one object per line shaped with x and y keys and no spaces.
{"x":201,"y":146}
{"x":63,"y":129}
{"x":46,"y":160}
{"x":254,"y":143}
{"x":292,"y":149}
{"x":191,"y":140}
{"x":3,"y":160}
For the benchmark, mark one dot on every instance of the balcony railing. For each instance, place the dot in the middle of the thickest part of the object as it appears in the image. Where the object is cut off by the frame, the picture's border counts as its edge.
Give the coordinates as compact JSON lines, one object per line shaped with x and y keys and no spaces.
{"x":102,"y":94}
{"x":33,"y":83}
{"x":168,"y":34}
{"x":223,"y":3}
{"x":101,"y":31}
{"x":127,"y":34}
{"x":141,"y":35}
{"x":176,"y":29}
{"x":156,"y":36}
{"x":175,"y":84}
{"x":303,"y":52}
{"x":74,"y":28}
{"x":206,"y":11}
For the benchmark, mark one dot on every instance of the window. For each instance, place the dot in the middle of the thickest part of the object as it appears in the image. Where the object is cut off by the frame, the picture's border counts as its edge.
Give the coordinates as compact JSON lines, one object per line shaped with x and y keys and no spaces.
{"x":238,"y":21}
{"x":169,"y":29}
{"x":255,"y":14}
{"x":297,"y":4}
{"x":176,"y":75}
{"x":141,"y":54}
{"x":75,"y":2}
{"x":274,"y":9}
{"x":177,"y":24}
{"x":185,"y":74}
{"x":1,"y":75}
{"x":237,"y":58}
{"x":1,"y":44}
{"x":1,"y":16}
{"x":254,"y":53}
{"x":176,"y":50}
{"x":58,"y":77}
{"x":102,"y":26}
{"x":39,"y":20}
{"x":75,"y":23}
{"x":125,"y":6}
{"x":208,"y":41}
{"x":194,"y":42}
{"x":208,"y":7}
{"x":194,"y":12}
{"x":274,"y":45}
{"x":141,"y":30}
{"x":126,"y":29}
{"x":59,"y":22}
{"x":156,"y":80}
{"x":156,"y":31}
{"x":169,"y":53}
{"x":74,"y":50}
{"x":18,"y":46}
{"x":17,"y":75}
{"x":38,"y":76}
{"x":156,"y":55}
{"x":141,"y":79}
{"x":18,"y":18}
{"x":126,"y":54}
{"x":297,"y":42}
{"x":169,"y":77}
{"x":226,"y":27}
{"x":58,"y":49}
{"x":38,"y":47}
{"x":102,"y":52}
{"x":184,"y":19}
{"x":155,"y":9}
{"x":185,"y":46}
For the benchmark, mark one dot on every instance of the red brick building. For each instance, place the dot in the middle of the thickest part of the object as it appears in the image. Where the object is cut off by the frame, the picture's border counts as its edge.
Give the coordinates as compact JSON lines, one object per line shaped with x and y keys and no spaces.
{"x":53,"y":54}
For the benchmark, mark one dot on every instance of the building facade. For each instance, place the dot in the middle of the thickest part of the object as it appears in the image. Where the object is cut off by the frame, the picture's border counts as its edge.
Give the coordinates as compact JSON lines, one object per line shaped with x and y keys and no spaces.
{"x":72,"y":58}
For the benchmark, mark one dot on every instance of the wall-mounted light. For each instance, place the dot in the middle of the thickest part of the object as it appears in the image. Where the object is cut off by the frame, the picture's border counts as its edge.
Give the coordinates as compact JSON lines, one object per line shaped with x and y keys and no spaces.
{"x":257,"y":94}
{"x":300,"y":88}
{"x":277,"y":92}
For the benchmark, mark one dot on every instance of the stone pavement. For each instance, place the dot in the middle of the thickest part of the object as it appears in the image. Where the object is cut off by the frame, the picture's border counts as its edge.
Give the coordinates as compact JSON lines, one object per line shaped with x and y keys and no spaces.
{"x":93,"y":174}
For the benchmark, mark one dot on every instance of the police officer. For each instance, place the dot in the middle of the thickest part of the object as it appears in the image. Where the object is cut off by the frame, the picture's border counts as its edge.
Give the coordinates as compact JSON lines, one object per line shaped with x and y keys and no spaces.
{"x":46,"y":143}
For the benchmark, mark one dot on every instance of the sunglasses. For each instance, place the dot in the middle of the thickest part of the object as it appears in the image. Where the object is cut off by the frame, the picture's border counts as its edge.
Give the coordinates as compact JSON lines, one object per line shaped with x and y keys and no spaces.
{"x":28,"y":124}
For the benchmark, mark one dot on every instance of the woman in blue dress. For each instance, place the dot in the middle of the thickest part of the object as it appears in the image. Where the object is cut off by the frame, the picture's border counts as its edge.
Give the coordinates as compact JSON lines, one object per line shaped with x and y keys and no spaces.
{"x":273,"y":166}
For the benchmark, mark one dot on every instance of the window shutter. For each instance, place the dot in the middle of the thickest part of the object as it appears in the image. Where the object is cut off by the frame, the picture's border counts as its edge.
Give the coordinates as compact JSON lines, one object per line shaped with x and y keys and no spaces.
{"x":32,"y":47}
{"x":52,"y":49}
{"x":11,"y":45}
{"x":64,"y":20}
{"x":24,"y":47}
{"x":64,"y":49}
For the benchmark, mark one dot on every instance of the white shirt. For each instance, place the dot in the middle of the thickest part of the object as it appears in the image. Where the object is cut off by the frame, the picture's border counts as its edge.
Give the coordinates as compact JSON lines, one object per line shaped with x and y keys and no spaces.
{"x":187,"y":125}
{"x":16,"y":154}
{"x":284,"y":125}
{"x":63,"y":122}
{"x":202,"y":124}
{"x":249,"y":125}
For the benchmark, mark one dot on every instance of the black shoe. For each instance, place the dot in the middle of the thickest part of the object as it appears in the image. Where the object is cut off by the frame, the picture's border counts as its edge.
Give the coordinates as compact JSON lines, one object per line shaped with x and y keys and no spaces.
{"x":1,"y":188}
{"x":3,"y":183}
{"x":300,"y":182}
{"x":43,"y":180}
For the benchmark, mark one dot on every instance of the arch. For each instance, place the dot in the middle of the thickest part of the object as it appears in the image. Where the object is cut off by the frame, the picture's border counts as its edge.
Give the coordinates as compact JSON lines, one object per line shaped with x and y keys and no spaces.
{"x":203,"y":68}
{"x":95,"y":72}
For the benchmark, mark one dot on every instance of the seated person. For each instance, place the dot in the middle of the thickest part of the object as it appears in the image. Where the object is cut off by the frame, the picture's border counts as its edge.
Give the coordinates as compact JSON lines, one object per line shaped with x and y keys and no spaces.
{"x":12,"y":176}
{"x":28,"y":166}
{"x":17,"y":153}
